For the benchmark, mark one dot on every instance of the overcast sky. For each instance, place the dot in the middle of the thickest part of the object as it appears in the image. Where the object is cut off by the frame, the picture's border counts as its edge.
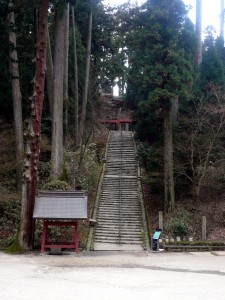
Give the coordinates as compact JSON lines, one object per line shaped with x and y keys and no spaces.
{"x":210,"y":11}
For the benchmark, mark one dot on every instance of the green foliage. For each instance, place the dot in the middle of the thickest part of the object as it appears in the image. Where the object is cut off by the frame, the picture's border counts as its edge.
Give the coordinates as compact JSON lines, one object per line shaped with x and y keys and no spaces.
{"x":85,"y":174}
{"x":75,"y":172}
{"x":7,"y":158}
{"x":25,"y":33}
{"x":15,"y":247}
{"x":26,"y":39}
{"x":10,"y":213}
{"x":148,"y":156}
{"x":161,"y":51}
{"x":56,"y":185}
{"x":212,"y":68}
{"x":5,"y":86}
{"x":179,"y":229}
{"x":176,"y":224}
{"x":199,"y":243}
{"x":64,"y":174}
{"x":43,"y":171}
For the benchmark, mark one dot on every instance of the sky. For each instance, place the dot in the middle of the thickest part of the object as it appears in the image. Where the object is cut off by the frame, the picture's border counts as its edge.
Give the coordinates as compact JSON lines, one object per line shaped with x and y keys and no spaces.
{"x":210,"y":11}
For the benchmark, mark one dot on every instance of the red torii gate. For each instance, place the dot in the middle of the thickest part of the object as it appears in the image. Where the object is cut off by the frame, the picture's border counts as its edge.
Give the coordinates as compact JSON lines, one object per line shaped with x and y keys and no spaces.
{"x":118,"y":122}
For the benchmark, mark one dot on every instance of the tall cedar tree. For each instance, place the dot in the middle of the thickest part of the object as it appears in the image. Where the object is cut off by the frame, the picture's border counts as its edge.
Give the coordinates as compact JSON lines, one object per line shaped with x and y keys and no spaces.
{"x":57,"y":117}
{"x":33,"y":144}
{"x":16,"y":95}
{"x":76,"y":95}
{"x":198,"y":29}
{"x":159,"y":74}
{"x":212,"y":68}
{"x":86,"y":75}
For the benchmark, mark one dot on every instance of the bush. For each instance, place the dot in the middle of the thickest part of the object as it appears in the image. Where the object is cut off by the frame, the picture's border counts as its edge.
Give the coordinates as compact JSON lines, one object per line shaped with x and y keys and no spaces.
{"x":10,"y":213}
{"x":176,"y":223}
{"x":180,"y":229}
{"x":56,"y":185}
{"x":44,"y":171}
{"x":87,"y":174}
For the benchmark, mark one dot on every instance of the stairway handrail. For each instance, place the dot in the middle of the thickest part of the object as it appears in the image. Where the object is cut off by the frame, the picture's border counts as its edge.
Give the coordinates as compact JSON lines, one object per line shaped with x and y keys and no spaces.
{"x":120,"y":174}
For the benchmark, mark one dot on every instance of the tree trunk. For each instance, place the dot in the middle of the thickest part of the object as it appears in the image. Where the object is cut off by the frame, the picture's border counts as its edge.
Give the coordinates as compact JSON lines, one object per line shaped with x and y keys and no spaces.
{"x":49,"y":74}
{"x":33,"y":143}
{"x":222,"y":20}
{"x":86,"y":77}
{"x":76,"y":97}
{"x":17,"y":97}
{"x":57,"y":117}
{"x":175,"y":111}
{"x":198,"y":30}
{"x":66,"y":56}
{"x":169,"y":194}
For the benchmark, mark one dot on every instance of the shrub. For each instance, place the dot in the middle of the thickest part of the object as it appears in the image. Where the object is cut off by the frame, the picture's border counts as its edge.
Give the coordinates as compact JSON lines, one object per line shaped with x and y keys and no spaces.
{"x":180,"y":229}
{"x":87,"y":174}
{"x":10,"y":213}
{"x":176,"y":223}
{"x":44,"y":171}
{"x":56,"y":185}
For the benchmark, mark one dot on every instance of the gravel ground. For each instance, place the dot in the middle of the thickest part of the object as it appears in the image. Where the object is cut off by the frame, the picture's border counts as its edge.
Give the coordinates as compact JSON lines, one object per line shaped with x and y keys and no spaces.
{"x":113,"y":275}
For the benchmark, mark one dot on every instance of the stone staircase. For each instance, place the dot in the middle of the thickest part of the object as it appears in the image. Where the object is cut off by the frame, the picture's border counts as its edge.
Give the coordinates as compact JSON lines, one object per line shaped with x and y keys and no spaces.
{"x":119,"y":222}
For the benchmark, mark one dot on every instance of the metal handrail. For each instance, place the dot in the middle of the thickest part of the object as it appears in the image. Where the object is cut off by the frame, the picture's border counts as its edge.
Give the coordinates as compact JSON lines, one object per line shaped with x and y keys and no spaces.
{"x":120,"y":174}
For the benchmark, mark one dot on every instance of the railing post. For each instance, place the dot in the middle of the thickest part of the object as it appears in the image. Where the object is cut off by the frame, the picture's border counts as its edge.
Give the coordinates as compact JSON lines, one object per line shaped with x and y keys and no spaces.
{"x":203,"y":228}
{"x":161,"y":220}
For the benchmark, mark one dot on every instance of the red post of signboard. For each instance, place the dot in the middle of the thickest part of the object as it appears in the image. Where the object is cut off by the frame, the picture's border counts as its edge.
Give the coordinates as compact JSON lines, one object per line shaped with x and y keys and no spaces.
{"x":45,"y":244}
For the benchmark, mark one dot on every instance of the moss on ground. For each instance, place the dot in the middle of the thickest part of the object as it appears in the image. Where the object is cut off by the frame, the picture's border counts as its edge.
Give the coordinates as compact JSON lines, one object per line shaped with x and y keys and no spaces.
{"x":15,"y":247}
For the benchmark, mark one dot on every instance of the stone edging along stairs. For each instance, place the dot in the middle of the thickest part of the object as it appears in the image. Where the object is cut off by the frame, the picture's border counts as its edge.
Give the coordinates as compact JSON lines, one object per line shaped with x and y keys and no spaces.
{"x":120,"y":213}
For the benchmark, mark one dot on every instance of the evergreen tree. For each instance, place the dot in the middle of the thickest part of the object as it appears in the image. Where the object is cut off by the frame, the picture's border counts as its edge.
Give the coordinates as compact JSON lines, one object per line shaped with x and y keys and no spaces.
{"x":5,"y":87}
{"x":160,"y":71}
{"x":212,"y":68}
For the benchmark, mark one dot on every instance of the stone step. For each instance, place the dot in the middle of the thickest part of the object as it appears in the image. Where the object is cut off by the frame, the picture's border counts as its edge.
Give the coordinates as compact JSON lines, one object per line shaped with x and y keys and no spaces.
{"x":114,"y":203}
{"x":125,"y":238}
{"x":122,"y":241}
{"x":118,"y":217}
{"x":119,"y":214}
{"x":119,"y":231}
{"x":116,"y":220}
{"x":119,"y":238}
{"x":126,"y":202}
{"x":124,"y":194}
{"x":132,"y":192}
{"x":136,"y":234}
{"x":132,"y":199}
{"x":129,"y":200}
{"x":123,"y":185}
{"x":125,"y":235}
{"x":117,"y":207}
{"x":117,"y":210}
{"x":115,"y":227}
{"x":114,"y":209}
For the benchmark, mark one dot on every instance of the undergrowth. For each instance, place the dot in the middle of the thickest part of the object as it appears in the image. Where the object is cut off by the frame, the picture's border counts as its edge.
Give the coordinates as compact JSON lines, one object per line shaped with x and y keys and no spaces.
{"x":86,"y":176}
